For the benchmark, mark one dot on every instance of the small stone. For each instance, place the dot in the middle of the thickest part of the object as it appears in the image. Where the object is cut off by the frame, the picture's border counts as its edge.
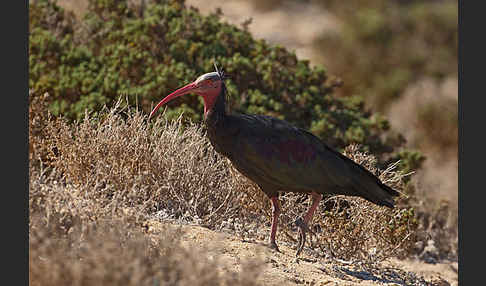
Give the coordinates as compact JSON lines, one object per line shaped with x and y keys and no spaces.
{"x":430,"y":253}
{"x":439,"y":282}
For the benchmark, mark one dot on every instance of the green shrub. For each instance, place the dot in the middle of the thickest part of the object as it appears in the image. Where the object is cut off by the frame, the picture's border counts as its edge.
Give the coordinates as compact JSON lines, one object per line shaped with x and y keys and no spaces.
{"x":116,"y":49}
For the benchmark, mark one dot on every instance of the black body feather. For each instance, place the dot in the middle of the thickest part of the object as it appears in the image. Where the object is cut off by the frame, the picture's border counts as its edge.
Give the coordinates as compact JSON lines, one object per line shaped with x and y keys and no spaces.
{"x":280,"y":157}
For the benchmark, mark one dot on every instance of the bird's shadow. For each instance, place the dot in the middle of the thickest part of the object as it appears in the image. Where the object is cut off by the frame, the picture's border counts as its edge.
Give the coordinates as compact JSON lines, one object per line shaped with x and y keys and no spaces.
{"x":345,"y":271}
{"x":387,"y":275}
{"x":365,"y":275}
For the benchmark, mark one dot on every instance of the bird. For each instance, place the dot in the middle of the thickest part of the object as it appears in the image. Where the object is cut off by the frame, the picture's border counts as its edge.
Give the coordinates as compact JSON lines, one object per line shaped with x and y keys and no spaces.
{"x":279,"y":156}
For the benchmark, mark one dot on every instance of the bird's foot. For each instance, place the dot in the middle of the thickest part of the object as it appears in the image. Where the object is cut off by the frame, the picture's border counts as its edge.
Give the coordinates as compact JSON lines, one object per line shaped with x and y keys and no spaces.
{"x":273,"y":245}
{"x":303,"y":229}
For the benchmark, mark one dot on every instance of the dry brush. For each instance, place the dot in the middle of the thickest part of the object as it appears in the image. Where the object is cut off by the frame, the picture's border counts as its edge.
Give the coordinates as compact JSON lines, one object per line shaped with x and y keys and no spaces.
{"x":115,"y":168}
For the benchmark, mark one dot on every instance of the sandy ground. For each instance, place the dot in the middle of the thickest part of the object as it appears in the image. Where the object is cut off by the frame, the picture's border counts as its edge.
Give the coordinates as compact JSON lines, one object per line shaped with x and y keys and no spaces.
{"x":284,"y":269}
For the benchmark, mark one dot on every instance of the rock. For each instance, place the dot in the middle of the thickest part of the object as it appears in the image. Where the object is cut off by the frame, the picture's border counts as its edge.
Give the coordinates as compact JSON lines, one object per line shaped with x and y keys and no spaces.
{"x":430,"y":253}
{"x":439,"y":282}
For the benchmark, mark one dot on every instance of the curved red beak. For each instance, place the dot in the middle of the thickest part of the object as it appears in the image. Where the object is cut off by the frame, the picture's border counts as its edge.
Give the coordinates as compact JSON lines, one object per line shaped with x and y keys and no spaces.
{"x":181,"y":91}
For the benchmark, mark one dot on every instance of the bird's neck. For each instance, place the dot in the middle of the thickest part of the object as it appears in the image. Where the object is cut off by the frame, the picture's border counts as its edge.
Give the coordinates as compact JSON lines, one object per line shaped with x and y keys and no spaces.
{"x":218,"y":126}
{"x":215,"y":106}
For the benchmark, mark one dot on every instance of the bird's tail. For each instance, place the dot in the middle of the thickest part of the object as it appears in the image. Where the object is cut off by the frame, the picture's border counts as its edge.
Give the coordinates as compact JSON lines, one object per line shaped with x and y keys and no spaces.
{"x":373,"y":190}
{"x":386,"y":197}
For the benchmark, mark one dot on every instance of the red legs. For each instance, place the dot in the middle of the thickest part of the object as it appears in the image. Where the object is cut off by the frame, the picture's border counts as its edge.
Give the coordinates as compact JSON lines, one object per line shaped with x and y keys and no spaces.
{"x":316,"y":198}
{"x":303,"y":225}
{"x":275,"y":213}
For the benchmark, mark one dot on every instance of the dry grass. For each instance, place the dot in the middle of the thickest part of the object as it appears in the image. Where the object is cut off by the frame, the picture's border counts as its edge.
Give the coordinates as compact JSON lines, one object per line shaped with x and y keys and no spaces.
{"x":99,"y":180}
{"x":117,"y":159}
{"x":114,"y":252}
{"x":88,"y":200}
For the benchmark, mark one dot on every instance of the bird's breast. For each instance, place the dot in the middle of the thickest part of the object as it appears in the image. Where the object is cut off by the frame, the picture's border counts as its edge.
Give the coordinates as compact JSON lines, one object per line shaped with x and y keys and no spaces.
{"x":221,"y":138}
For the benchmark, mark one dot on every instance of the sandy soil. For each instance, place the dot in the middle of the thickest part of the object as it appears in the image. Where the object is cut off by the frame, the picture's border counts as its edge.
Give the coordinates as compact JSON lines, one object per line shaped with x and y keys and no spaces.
{"x":284,"y":269}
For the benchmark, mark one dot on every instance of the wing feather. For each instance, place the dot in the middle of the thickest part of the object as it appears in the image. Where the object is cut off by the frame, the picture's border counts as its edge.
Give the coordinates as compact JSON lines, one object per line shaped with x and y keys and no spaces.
{"x":278,"y":156}
{"x":271,"y":151}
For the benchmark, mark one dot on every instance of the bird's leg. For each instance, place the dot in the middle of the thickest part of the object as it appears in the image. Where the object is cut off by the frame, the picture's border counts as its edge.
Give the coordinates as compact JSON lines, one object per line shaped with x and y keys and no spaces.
{"x":316,"y":198}
{"x":303,"y":225}
{"x":275,"y":214}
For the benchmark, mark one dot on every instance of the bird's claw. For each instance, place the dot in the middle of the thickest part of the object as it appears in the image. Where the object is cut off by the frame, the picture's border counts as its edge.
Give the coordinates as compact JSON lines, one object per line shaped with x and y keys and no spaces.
{"x":303,"y":228}
{"x":273,"y":245}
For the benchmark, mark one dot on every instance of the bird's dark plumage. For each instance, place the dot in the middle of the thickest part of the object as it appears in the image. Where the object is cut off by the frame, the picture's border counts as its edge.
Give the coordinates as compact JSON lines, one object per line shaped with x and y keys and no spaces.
{"x":279,"y":156}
